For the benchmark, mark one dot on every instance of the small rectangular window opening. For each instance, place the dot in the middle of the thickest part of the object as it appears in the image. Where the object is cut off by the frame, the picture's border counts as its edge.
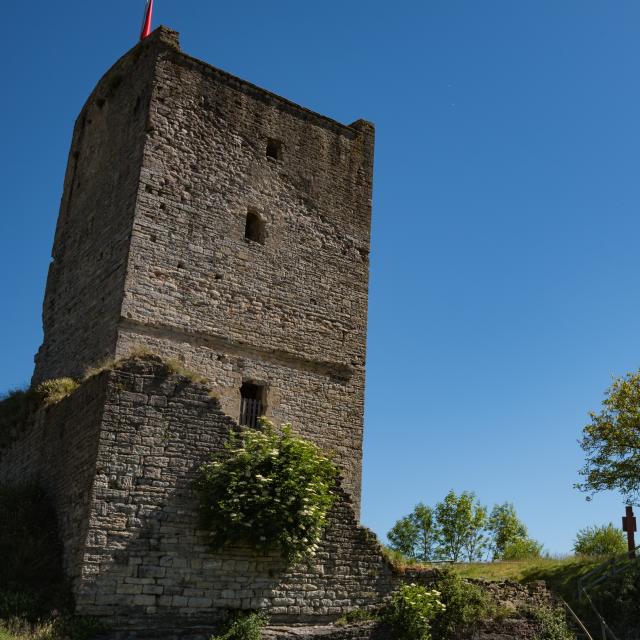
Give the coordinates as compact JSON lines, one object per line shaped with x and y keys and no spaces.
{"x":254,"y":229}
{"x":251,"y":404}
{"x":274,"y":149}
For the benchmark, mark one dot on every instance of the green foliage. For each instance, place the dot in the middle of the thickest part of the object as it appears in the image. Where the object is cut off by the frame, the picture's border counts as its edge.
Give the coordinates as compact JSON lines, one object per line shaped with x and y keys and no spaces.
{"x":553,"y":623}
{"x":617,"y":600}
{"x":412,"y":609}
{"x":465,"y":604}
{"x":414,"y":535}
{"x":522,"y":549}
{"x":268,"y":489}
{"x":611,"y":441}
{"x":244,"y":627}
{"x":460,"y":524}
{"x":460,"y":528}
{"x":505,"y":528}
{"x":600,"y":541}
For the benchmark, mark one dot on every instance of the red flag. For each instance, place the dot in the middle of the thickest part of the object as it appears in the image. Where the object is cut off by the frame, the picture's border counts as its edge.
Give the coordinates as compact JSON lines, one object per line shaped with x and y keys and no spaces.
{"x":146,"y":20}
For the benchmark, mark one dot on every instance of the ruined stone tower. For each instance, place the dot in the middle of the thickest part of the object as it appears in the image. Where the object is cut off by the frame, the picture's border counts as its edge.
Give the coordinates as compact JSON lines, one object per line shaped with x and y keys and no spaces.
{"x":217,"y":223}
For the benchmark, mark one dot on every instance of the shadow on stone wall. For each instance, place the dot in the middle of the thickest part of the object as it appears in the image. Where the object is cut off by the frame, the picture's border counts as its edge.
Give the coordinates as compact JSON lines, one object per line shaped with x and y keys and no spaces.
{"x":147,"y":565}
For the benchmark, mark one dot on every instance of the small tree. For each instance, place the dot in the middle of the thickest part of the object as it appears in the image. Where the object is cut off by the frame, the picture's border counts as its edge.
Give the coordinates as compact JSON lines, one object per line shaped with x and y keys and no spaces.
{"x":403,"y":537}
{"x":460,"y":522}
{"x":423,"y":518}
{"x":600,"y":541}
{"x":414,"y":535}
{"x":522,"y":549}
{"x":611,"y":441}
{"x":505,"y":528}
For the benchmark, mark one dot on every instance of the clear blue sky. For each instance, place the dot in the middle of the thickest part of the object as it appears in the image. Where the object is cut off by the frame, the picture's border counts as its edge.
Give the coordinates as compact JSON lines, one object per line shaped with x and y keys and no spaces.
{"x":505,"y":273}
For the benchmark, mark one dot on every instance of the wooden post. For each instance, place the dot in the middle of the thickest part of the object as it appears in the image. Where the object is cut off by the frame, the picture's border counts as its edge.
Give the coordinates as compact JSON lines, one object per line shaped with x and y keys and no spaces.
{"x":629,"y":525}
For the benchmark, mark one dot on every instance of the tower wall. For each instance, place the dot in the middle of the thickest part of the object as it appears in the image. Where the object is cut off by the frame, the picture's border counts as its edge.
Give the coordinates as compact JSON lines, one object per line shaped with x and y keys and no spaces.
{"x":289,"y":313}
{"x":173,"y":162}
{"x":85,"y":284}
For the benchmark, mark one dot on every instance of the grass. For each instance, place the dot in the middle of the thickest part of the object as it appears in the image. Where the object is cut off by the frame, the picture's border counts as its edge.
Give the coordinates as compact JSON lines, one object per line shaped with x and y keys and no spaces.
{"x":18,"y":406}
{"x":59,"y":628}
{"x":560,"y":574}
{"x":140,"y":352}
{"x":53,"y":391}
{"x":612,"y":598}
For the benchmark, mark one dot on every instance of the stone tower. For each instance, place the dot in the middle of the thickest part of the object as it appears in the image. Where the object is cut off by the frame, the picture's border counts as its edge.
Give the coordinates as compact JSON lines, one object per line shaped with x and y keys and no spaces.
{"x":217,"y":223}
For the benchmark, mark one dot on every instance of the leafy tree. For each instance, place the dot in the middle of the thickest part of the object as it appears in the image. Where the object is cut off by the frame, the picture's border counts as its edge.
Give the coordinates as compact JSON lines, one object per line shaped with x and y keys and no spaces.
{"x":423,"y":518}
{"x":600,"y":541}
{"x":403,"y":537}
{"x":611,"y":441}
{"x":414,"y":535}
{"x":522,"y":549}
{"x":505,"y":528}
{"x":460,"y":522}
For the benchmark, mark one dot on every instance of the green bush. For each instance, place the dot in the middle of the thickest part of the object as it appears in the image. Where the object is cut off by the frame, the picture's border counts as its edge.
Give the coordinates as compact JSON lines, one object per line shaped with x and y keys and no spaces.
{"x":465,"y":603}
{"x":244,"y":627}
{"x":522,"y":549}
{"x":553,"y":624}
{"x":412,"y":609}
{"x":268,"y":489}
{"x":600,"y":541}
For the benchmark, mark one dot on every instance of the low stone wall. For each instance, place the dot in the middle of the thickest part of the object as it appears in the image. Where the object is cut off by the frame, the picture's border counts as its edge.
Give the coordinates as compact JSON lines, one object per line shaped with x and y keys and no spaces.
{"x":57,"y":450}
{"x":516,"y":597}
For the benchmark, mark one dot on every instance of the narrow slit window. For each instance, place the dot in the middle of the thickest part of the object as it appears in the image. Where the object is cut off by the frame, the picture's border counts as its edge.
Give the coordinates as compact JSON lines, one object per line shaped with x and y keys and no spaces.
{"x":251,"y":404}
{"x":274,"y":149}
{"x":254,"y":228}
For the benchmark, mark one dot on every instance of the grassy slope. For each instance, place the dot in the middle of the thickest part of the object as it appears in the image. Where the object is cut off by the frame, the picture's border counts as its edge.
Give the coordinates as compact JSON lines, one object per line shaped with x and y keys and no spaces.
{"x":561,"y":577}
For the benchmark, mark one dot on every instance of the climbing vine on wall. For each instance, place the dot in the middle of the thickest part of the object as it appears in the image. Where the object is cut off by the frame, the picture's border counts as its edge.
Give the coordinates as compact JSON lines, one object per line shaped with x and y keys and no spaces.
{"x":269,"y":489}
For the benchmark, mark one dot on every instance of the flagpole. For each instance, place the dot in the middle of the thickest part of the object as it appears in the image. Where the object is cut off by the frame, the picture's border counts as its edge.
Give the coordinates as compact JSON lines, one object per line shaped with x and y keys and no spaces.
{"x":145,"y":32}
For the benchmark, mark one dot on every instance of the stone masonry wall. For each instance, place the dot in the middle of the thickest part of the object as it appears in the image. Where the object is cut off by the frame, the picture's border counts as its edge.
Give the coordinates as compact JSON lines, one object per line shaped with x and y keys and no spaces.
{"x":146,"y":563}
{"x":290,"y":313}
{"x":85,"y":285}
{"x":58,"y":450}
{"x":169,"y":156}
